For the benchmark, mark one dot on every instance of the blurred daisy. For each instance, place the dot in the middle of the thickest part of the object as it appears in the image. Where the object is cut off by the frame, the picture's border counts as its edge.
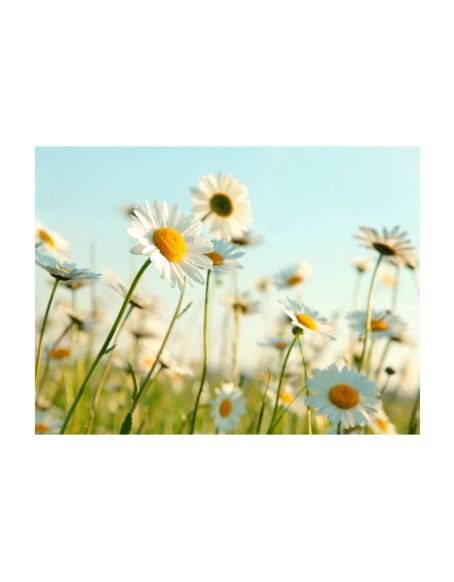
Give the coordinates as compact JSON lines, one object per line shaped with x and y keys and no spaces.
{"x":263,"y":284}
{"x":248,"y":239}
{"x":381,"y":424}
{"x":80,"y":321}
{"x":172,"y":241}
{"x":389,"y":244}
{"x":63,"y":271}
{"x":307,"y":319}
{"x":288,"y":397}
{"x":228,"y":407}
{"x":410,"y":260}
{"x":151,"y":304}
{"x":48,"y":241}
{"x":387,"y":278}
{"x":345,"y":396}
{"x":225,"y":257}
{"x":383,"y":323}
{"x":361,"y":265}
{"x":243,"y":303}
{"x":146,"y":327}
{"x":74,"y":284}
{"x":223,"y":203}
{"x":292,"y":276}
{"x":147,"y":357}
{"x":277,"y":343}
{"x":46,"y":423}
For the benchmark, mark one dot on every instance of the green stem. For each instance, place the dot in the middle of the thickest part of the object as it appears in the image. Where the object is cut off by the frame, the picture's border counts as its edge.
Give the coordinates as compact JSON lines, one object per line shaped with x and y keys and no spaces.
{"x":161,"y":349}
{"x":286,"y":408}
{"x":262,"y":408}
{"x":105,"y":345}
{"x":41,"y":335}
{"x":205,"y":354}
{"x":369,"y":312}
{"x":309,"y":412}
{"x":281,"y":377}
{"x":412,"y":424}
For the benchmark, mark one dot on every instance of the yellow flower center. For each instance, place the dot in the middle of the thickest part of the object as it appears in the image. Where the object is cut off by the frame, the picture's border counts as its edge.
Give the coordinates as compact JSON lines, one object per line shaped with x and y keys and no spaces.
{"x":382,"y":423}
{"x":60,"y":353}
{"x":384,"y":249}
{"x":306,"y":321}
{"x":343,"y":396}
{"x":45,"y":237}
{"x":171,"y":244}
{"x":281,"y":345}
{"x":226,"y":408}
{"x":378,"y":325}
{"x":215,"y":257}
{"x":294,"y":280}
{"x":221,"y":205}
{"x":286,"y":398}
{"x":41,"y":428}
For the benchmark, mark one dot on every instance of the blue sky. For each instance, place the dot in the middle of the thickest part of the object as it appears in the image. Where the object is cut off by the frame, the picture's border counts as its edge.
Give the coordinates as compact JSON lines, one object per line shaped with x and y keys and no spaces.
{"x":307,"y":203}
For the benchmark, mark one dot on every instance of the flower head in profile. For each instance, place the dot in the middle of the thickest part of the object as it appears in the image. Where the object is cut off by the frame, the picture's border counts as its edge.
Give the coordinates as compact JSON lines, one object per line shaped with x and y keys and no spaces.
{"x":345,"y":396}
{"x":361,"y":264}
{"x":63,"y":271}
{"x":172,"y":241}
{"x":382,"y":324}
{"x":228,"y":407}
{"x":411,"y":261}
{"x":225,"y":257}
{"x":391,"y":243}
{"x":149,"y":304}
{"x":249,"y":239}
{"x":243,"y":303}
{"x":292,"y":276}
{"x":263,"y":284}
{"x":224,"y":205}
{"x":278,"y":343}
{"x":148,"y":354}
{"x":307,"y":319}
{"x":50,"y":242}
{"x":81,"y":322}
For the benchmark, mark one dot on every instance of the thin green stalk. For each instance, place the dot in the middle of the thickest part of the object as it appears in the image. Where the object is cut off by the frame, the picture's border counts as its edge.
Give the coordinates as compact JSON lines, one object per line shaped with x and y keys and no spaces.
{"x":383,"y":358}
{"x":105,"y":344}
{"x":152,"y":369}
{"x":412,"y":424}
{"x":46,"y":368}
{"x":309,"y":412}
{"x":205,"y":354}
{"x":281,"y":377}
{"x":41,"y":335}
{"x":286,"y":409}
{"x":369,"y":312}
{"x":339,"y":428}
{"x":262,"y":408}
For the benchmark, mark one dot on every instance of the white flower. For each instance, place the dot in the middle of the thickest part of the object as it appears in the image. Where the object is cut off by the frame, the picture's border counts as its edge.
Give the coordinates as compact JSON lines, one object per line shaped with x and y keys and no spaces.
{"x":225,"y":256}
{"x":307,"y":319}
{"x":381,"y":424}
{"x":263,"y":284}
{"x":387,"y":278}
{"x":345,"y":396}
{"x":150,"y":304}
{"x":361,"y":265}
{"x":277,"y":343}
{"x":390,"y":244}
{"x":224,"y":205}
{"x":228,"y":407}
{"x":62,"y":270}
{"x":46,"y":423}
{"x":245,"y":304}
{"x":288,"y":397}
{"x":172,"y":241}
{"x":248,"y":239}
{"x":80,"y":321}
{"x":292,"y":276}
{"x":382,"y":324}
{"x":51,"y":242}
{"x":147,"y":357}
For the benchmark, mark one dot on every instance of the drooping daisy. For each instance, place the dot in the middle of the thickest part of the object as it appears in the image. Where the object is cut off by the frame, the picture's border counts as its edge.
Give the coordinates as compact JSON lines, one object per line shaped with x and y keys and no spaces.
{"x":383,"y":324}
{"x":149,"y":304}
{"x":225,"y":257}
{"x":249,"y":239}
{"x":277,"y":343}
{"x":245,"y":304}
{"x":345,"y":396}
{"x":172,"y":241}
{"x":224,"y":205}
{"x":48,"y":241}
{"x":381,"y":424}
{"x":63,"y":271}
{"x":361,"y":264}
{"x":389,"y":244}
{"x":228,"y":407}
{"x":307,"y":319}
{"x":292,"y":276}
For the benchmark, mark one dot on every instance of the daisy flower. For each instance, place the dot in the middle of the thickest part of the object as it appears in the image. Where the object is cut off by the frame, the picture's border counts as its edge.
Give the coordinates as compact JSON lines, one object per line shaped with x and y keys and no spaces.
{"x":389,"y":244}
{"x":46,"y":423}
{"x":172,"y":241}
{"x":277,"y":343}
{"x":248,"y":239}
{"x":263,"y":284}
{"x":243,"y":303}
{"x":411,"y":261}
{"x":382,"y":324}
{"x":80,"y":321}
{"x":225,"y":257}
{"x":48,"y":241}
{"x":381,"y":424}
{"x":288,"y":396}
{"x":224,"y":205}
{"x":345,"y":396}
{"x":150,"y":304}
{"x":307,"y":319}
{"x":147,"y":357}
{"x":292,"y":276}
{"x":63,"y":271}
{"x":228,"y":407}
{"x":362,"y":265}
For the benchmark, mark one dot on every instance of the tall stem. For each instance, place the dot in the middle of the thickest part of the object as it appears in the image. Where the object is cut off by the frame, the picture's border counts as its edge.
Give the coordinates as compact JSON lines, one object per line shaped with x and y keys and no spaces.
{"x":205,"y":354}
{"x":41,"y":335}
{"x":369,"y":311}
{"x":281,"y":377}
{"x":309,"y":412}
{"x":105,"y":344}
{"x":395,"y":291}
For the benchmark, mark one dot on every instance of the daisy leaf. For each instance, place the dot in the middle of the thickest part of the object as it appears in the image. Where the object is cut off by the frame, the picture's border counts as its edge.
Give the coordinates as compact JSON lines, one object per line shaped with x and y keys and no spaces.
{"x":127,"y":424}
{"x":110,"y":349}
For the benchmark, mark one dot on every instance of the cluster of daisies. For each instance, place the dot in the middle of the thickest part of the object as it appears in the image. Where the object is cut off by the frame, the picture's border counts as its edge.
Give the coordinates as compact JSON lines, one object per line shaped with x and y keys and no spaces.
{"x":347,"y":397}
